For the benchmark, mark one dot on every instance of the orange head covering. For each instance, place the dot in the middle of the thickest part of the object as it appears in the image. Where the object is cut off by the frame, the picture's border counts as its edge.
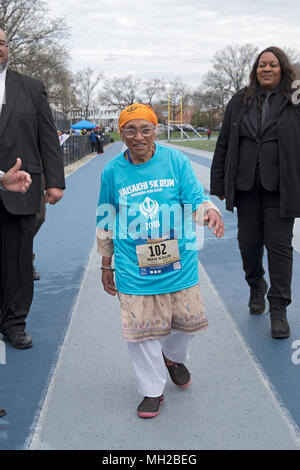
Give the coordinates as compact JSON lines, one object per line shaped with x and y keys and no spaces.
{"x":137,"y":111}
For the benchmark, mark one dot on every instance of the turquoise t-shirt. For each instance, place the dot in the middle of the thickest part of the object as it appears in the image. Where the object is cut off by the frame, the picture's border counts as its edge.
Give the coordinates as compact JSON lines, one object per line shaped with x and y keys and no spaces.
{"x":149,"y":208}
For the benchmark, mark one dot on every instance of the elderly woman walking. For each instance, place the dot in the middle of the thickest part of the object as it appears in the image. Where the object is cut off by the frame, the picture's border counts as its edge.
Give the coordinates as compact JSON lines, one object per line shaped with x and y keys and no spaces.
{"x":256,"y":167}
{"x":148,"y":198}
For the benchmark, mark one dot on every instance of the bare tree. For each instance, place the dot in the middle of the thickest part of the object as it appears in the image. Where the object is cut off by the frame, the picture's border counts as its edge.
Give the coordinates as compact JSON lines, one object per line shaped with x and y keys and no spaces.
{"x":293,"y":54}
{"x":214,"y":92}
{"x":121,"y":91}
{"x":35,"y":44}
{"x":30,"y":33}
{"x":153,"y":90}
{"x":234,"y":63}
{"x":177,"y":91}
{"x":86,"y":82}
{"x":65,"y":93}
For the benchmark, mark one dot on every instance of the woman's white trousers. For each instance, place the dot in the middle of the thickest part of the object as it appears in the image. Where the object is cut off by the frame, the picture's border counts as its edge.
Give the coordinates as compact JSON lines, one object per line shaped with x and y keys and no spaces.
{"x":148,"y":362}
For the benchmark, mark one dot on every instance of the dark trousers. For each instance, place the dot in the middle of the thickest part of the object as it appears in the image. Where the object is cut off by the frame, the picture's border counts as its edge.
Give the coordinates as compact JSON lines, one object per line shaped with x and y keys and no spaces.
{"x":259,"y":225}
{"x":16,"y":280}
{"x":40,"y":216}
{"x":99,"y":146}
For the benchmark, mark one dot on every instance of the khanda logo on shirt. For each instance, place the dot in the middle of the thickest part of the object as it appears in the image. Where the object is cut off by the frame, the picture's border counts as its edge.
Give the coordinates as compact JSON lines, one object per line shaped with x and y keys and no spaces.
{"x":149,"y":208}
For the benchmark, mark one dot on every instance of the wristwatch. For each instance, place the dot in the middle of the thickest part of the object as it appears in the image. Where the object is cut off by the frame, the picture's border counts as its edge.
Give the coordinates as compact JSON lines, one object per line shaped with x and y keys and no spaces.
{"x":2,"y":173}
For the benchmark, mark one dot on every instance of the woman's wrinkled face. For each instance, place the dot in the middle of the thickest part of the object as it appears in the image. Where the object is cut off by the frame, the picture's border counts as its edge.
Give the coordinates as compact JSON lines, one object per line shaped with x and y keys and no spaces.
{"x":268,"y":71}
{"x":139,"y":136}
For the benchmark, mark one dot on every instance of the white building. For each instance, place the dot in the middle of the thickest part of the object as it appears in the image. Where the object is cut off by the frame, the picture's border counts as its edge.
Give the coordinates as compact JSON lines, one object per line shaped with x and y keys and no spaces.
{"x":109,"y":116}
{"x":104,"y":116}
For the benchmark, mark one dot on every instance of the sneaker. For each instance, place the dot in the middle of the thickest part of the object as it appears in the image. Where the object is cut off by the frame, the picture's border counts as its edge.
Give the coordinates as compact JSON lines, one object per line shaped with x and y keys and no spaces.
{"x":179,"y":374}
{"x":257,"y":302}
{"x":150,"y":407}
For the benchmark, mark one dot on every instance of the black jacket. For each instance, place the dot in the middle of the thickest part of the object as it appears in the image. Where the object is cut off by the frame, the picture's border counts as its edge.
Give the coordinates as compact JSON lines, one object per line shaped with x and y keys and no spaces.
{"x":27,"y":130}
{"x":226,"y":157}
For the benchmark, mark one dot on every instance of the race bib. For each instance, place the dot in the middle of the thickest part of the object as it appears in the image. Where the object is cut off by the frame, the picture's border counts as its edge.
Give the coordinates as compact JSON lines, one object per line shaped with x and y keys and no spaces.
{"x":158,"y":256}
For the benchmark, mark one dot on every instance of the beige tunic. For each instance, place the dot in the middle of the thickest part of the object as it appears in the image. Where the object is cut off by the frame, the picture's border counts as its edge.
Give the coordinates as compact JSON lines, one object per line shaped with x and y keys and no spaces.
{"x":151,"y":316}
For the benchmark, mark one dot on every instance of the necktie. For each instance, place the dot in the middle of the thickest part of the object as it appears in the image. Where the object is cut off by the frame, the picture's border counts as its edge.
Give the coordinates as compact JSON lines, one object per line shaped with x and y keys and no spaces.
{"x":265,"y":108}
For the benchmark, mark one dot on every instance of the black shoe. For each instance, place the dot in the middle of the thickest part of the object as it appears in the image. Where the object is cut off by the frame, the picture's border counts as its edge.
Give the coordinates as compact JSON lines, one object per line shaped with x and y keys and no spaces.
{"x":257,"y":302}
{"x":2,"y":412}
{"x":36,"y":276}
{"x":279,"y":324}
{"x":150,"y":407}
{"x":179,"y":374}
{"x":19,"y":340}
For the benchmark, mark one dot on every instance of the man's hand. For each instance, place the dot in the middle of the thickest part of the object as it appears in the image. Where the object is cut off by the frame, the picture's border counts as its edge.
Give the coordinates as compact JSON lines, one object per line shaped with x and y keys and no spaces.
{"x":53,"y":195}
{"x":108,"y":281}
{"x":213,"y":219}
{"x":15,"y":179}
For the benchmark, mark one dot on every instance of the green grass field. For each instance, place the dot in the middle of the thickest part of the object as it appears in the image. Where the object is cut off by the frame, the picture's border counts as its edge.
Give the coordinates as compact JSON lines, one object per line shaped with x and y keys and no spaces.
{"x":115,"y":136}
{"x":206,"y":144}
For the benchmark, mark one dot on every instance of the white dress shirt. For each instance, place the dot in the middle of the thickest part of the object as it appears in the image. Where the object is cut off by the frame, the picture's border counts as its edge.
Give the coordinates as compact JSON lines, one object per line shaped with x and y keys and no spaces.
{"x":2,"y":101}
{"x":2,"y":87}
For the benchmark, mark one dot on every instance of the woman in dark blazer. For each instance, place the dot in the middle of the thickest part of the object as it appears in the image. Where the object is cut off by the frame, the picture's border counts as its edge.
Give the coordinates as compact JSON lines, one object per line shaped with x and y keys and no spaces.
{"x":256,"y":168}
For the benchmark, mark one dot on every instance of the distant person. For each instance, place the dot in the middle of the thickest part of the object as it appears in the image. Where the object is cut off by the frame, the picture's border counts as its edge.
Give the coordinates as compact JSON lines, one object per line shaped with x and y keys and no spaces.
{"x":100,"y":138}
{"x":208,"y":134}
{"x":256,"y":168}
{"x":17,"y":181}
{"x":63,"y":136}
{"x":27,"y":127}
{"x":93,"y":141}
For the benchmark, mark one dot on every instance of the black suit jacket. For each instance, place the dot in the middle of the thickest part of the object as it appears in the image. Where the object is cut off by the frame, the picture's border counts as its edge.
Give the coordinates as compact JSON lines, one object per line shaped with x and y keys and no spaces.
{"x":260,"y":146}
{"x":27,"y":130}
{"x":225,"y":162}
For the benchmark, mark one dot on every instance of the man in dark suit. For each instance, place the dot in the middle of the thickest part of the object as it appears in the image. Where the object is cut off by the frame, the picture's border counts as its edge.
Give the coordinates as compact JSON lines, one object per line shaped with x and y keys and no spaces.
{"x":27,"y":130}
{"x":19,"y":181}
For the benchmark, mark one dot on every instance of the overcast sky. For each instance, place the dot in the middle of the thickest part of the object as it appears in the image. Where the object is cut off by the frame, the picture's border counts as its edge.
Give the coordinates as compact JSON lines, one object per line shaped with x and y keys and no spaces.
{"x":171,"y":38}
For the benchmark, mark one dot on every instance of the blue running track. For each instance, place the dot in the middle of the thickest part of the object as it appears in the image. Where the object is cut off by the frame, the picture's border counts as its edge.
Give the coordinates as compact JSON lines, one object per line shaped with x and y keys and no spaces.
{"x":65,"y":258}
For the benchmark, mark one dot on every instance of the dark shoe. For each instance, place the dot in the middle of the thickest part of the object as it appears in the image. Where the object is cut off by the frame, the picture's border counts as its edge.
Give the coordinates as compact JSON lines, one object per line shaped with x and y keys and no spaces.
{"x":19,"y":340}
{"x":279,"y":324}
{"x":257,"y":302}
{"x":150,"y":407}
{"x":36,"y":276}
{"x":179,"y":374}
{"x":2,"y":412}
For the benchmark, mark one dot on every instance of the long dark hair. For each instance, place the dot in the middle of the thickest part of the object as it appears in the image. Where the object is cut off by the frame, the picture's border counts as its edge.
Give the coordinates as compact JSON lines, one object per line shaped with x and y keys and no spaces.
{"x":288,"y":75}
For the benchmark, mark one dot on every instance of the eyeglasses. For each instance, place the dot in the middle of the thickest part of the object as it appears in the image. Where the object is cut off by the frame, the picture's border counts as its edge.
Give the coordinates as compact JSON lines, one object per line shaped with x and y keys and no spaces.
{"x":131,"y":132}
{"x":3,"y":43}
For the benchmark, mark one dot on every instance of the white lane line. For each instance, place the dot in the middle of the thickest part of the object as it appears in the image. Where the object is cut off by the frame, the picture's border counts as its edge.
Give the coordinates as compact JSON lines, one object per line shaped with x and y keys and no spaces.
{"x":276,"y":399}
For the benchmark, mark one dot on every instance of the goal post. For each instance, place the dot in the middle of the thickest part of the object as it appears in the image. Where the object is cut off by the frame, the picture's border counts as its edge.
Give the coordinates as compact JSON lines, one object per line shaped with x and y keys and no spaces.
{"x":179,"y":124}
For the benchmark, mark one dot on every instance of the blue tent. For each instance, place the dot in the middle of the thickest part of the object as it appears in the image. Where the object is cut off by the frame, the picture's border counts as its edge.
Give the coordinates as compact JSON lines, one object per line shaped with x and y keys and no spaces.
{"x":84,"y":125}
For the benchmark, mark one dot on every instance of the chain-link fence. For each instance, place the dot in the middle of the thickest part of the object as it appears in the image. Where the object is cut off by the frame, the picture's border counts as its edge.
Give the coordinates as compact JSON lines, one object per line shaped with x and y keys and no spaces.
{"x":78,"y":146}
